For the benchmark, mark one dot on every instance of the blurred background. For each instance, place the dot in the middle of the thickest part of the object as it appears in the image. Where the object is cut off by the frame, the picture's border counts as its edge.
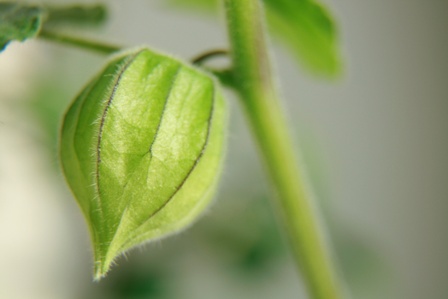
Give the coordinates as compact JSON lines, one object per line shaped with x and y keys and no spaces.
{"x":375,"y":144}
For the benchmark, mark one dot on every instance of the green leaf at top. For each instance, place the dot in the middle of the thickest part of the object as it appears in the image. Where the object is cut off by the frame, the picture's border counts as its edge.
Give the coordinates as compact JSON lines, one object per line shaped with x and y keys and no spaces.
{"x":309,"y":30}
{"x":304,"y":26}
{"x":18,"y":22}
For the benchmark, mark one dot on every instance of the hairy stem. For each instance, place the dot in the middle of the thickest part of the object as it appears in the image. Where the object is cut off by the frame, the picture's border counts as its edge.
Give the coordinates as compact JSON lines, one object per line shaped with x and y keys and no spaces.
{"x":79,"y":42}
{"x":254,"y":81}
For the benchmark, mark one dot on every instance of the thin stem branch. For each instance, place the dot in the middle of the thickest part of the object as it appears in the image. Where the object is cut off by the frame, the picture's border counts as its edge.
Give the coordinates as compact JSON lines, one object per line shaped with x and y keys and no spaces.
{"x":253,"y":77}
{"x":78,"y":42}
{"x":201,"y":58}
{"x":225,"y":75}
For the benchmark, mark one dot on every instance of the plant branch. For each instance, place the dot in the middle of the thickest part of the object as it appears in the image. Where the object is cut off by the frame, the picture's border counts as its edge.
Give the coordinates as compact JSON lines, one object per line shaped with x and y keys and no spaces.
{"x":78,"y":42}
{"x":253,"y":77}
{"x":201,"y":58}
{"x":225,"y":75}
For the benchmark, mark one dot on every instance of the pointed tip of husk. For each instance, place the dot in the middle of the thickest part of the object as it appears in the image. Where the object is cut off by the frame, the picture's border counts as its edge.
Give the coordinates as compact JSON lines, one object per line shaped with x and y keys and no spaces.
{"x":99,"y":271}
{"x":101,"y":268}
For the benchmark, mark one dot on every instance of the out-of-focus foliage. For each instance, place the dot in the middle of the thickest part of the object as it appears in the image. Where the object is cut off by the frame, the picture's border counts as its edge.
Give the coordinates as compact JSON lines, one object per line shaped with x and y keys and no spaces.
{"x":18,"y":22}
{"x":364,"y":269}
{"x":75,"y":15}
{"x":251,"y":243}
{"x":138,"y":278}
{"x":306,"y":27}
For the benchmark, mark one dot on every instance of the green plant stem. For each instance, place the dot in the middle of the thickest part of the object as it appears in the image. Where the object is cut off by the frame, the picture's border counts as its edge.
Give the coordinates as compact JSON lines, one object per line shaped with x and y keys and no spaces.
{"x":79,"y":42}
{"x":203,"y":57}
{"x":254,"y":82}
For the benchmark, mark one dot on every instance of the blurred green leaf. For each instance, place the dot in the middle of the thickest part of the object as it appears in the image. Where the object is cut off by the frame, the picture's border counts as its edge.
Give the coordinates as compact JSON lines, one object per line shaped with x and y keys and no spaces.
{"x":250,"y":243}
{"x":139,"y":283}
{"x":308,"y":29}
{"x":362,"y":263}
{"x":305,"y":26}
{"x":89,"y":15}
{"x":142,"y":276}
{"x":18,"y":22}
